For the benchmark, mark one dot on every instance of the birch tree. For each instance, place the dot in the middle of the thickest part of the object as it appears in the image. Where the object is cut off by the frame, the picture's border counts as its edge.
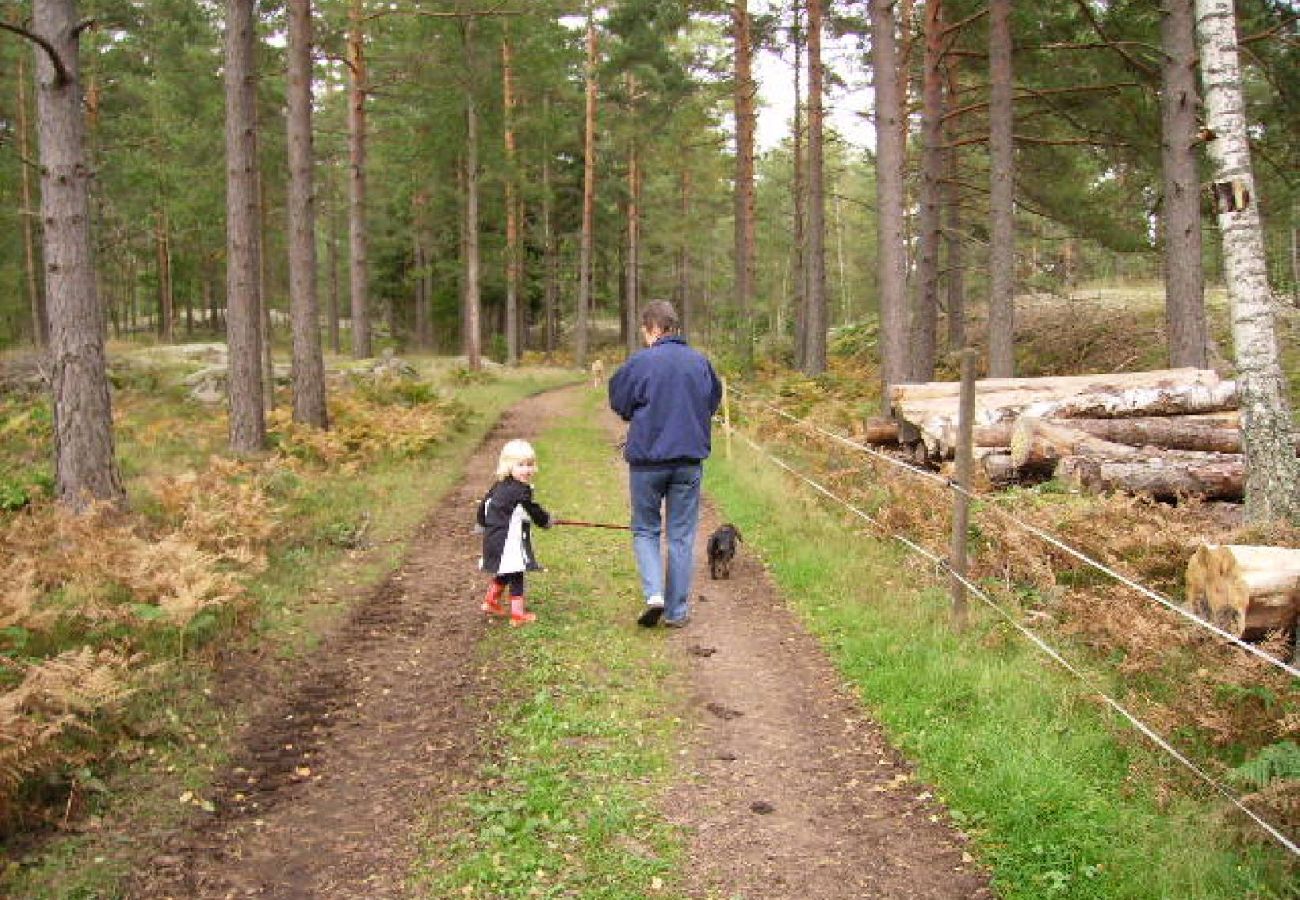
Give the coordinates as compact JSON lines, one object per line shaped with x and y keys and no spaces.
{"x":1272,"y":468}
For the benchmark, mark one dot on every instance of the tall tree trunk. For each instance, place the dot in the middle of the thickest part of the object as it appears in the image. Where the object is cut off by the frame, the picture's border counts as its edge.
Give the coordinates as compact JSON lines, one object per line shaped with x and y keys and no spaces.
{"x":333,"y":311}
{"x":264,"y":293}
{"x":243,"y":233}
{"x":1002,"y":249}
{"x":925,"y":312}
{"x":632,"y":266}
{"x":550,"y":288}
{"x":815,"y":318}
{"x":891,"y":263}
{"x":473,"y":334}
{"x":1185,"y":324}
{"x":420,"y":251}
{"x":799,"y":269}
{"x":513,"y":258}
{"x":304,"y":309}
{"x":685,"y":307}
{"x":744,"y":188}
{"x":35,"y":296}
{"x":85,"y":467}
{"x":588,"y":199}
{"x":166,"y":299}
{"x":955,"y":256}
{"x":1272,"y":468}
{"x":359,"y":237}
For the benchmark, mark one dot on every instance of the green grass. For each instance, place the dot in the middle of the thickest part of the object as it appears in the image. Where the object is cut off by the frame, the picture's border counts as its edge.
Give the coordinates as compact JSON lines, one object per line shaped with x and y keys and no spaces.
{"x":587,"y":724}
{"x":1030,"y":765}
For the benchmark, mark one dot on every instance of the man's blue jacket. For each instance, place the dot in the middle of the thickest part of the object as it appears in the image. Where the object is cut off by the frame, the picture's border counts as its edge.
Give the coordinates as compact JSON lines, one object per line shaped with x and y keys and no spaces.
{"x":669,"y":393}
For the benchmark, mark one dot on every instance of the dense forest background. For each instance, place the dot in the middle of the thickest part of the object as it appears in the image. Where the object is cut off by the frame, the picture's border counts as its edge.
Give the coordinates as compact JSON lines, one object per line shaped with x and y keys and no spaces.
{"x":1088,"y":185}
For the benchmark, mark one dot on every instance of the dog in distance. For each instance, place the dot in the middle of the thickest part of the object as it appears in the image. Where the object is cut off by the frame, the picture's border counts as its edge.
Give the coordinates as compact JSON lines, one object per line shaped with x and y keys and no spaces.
{"x":722,"y":549}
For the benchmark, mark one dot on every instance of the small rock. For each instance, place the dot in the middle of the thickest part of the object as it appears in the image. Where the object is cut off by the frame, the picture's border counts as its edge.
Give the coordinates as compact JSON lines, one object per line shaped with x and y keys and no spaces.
{"x":762,"y":807}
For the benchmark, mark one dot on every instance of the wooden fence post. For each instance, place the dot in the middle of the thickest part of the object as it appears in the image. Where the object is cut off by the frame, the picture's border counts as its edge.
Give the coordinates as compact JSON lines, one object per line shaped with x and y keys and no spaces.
{"x":961,"y":502}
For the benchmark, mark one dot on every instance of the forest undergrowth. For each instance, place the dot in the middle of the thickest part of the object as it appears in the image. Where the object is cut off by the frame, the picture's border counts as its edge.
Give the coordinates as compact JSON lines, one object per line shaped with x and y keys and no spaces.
{"x":104,"y":617}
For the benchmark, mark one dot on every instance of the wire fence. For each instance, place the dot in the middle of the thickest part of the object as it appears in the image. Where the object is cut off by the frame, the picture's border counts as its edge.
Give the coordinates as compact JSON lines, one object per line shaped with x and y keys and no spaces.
{"x":1043,"y":535}
{"x":1134,"y":721}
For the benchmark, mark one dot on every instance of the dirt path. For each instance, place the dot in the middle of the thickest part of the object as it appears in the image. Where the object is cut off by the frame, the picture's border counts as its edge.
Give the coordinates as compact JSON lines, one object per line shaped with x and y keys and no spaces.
{"x":791,"y":791}
{"x":786,"y":790}
{"x":382,"y":721}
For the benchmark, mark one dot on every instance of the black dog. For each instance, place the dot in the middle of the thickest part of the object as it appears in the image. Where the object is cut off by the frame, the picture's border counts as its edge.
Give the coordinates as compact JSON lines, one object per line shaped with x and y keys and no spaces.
{"x":722,"y":547}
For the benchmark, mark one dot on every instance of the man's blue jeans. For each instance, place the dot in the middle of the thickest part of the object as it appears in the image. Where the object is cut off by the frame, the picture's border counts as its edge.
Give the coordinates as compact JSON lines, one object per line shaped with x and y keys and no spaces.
{"x":677,"y":490}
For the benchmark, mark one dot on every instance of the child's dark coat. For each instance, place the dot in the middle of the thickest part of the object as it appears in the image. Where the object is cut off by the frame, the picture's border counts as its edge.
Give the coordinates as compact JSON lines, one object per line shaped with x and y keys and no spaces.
{"x":505,"y":516}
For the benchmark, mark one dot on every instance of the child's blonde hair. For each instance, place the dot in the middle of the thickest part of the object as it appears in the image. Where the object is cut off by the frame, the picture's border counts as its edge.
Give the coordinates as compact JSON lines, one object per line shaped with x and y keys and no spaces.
{"x":512,"y":454}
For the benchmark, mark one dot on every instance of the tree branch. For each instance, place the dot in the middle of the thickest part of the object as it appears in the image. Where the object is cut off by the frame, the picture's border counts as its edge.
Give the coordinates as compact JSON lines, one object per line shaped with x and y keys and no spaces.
{"x":1143,"y":69}
{"x":61,"y":76}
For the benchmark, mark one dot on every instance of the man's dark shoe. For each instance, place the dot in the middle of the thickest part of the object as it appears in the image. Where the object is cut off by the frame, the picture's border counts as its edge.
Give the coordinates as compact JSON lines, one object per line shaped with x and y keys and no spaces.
{"x":678,"y":623}
{"x":650,"y":618}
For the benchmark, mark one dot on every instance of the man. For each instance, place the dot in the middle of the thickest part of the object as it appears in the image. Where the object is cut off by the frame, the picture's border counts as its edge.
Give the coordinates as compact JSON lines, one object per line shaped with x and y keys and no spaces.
{"x":668,"y":393}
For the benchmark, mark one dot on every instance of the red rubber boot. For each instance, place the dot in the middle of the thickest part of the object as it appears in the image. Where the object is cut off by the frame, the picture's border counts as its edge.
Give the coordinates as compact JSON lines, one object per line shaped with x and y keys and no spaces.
{"x":518,"y":616}
{"x":492,"y":602}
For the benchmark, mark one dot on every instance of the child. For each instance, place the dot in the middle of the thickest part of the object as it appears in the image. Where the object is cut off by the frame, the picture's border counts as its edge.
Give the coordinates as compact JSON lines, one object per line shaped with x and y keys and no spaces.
{"x":505,"y":516}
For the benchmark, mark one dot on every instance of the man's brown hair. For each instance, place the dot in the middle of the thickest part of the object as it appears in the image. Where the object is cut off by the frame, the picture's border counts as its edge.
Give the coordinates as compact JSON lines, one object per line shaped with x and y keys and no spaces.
{"x":660,"y":315}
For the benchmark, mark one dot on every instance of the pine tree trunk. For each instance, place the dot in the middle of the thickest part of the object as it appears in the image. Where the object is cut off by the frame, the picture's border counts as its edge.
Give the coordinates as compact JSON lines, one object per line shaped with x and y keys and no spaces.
{"x":1272,"y":488}
{"x":744,"y":188}
{"x":473,"y":333}
{"x":264,"y":295}
{"x":304,"y":308}
{"x":243,"y":233}
{"x":799,"y":268}
{"x":332,"y":304}
{"x":955,"y":257}
{"x":35,"y":296}
{"x":816,"y":318}
{"x":632,"y":268}
{"x":588,"y":200}
{"x":512,"y":212}
{"x":358,"y":235}
{"x":549,"y":286}
{"x":166,"y":301}
{"x":1186,"y":328}
{"x":420,"y":254}
{"x":891,"y":262}
{"x":1002,"y":250}
{"x":925,"y":313}
{"x":685,"y":306}
{"x":85,"y":467}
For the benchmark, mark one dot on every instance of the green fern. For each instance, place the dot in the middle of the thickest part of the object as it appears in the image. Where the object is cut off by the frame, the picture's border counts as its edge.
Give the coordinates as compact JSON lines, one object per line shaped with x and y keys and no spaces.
{"x":1276,"y":761}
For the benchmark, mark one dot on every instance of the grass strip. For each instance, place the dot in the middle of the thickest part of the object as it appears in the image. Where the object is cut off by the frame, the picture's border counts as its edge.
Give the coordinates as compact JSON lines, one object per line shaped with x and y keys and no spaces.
{"x":1028,"y":763}
{"x":586,"y":728}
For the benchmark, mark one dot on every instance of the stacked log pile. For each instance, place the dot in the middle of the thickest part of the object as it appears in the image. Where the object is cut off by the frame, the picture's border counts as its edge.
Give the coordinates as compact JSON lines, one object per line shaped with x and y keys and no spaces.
{"x":1167,"y":433}
{"x":1245,"y":590}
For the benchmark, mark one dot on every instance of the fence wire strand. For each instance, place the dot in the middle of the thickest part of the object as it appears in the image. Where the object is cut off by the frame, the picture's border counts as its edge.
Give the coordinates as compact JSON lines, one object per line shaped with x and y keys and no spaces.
{"x":1140,"y":588}
{"x":1146,"y":730}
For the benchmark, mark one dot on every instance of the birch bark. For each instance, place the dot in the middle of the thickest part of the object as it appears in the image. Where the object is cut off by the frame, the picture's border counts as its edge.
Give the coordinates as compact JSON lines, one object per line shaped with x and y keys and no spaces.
{"x":1272,"y":468}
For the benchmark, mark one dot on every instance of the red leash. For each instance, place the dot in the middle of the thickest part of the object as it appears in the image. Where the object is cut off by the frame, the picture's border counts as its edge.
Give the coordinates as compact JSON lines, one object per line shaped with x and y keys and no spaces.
{"x":590,"y":524}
